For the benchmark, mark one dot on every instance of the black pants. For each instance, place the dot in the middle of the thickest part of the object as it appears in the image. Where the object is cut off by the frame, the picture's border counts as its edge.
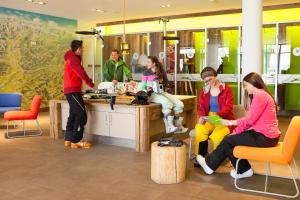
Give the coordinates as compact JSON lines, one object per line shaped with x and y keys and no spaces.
{"x":77,"y":118}
{"x":225,"y":149}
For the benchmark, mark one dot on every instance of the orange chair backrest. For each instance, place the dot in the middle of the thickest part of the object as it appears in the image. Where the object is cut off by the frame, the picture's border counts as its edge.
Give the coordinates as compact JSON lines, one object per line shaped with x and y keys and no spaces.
{"x":35,"y":105}
{"x":291,"y":139}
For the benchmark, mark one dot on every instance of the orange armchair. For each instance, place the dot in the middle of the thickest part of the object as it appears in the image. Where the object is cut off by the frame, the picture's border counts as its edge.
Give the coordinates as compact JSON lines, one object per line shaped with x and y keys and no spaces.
{"x":283,"y":153}
{"x":31,"y":114}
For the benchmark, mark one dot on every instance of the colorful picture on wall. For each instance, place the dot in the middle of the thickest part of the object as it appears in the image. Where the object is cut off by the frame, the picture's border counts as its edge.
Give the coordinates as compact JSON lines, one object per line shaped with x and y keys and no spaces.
{"x":32,"y":47}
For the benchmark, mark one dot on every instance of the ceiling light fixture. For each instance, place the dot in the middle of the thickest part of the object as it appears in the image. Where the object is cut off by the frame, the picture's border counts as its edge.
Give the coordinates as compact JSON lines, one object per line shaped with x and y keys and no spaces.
{"x":165,"y":6}
{"x":41,"y":3}
{"x":36,"y":2}
{"x":99,"y":10}
{"x":124,"y":46}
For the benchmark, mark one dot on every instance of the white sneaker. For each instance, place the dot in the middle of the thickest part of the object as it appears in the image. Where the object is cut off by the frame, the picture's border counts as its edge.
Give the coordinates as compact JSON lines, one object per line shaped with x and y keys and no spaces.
{"x":246,"y":174}
{"x":202,"y":163}
{"x":170,"y":128}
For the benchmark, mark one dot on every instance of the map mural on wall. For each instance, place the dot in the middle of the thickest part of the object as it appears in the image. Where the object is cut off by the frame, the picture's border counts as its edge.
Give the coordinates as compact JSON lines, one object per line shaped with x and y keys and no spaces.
{"x":32,"y":47}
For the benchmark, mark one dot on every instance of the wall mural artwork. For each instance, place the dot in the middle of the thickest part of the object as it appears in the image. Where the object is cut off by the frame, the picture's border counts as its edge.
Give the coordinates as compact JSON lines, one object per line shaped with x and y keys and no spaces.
{"x":32,"y":47}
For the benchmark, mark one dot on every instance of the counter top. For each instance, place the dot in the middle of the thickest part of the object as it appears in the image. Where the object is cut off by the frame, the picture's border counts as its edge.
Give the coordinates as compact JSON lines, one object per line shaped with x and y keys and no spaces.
{"x":122,"y":100}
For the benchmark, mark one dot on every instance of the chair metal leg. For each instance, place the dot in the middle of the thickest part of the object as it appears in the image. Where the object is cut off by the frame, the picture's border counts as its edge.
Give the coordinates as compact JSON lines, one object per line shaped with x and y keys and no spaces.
{"x":24,"y":128}
{"x":7,"y":124}
{"x":296,"y":168}
{"x":15,"y":125}
{"x":267,"y":175}
{"x":39,"y":127}
{"x":24,"y":131}
{"x":270,"y":193}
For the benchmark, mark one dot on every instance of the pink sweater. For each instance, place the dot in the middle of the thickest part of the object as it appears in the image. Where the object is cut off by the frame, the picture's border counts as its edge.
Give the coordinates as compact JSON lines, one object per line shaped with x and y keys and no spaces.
{"x":261,"y":116}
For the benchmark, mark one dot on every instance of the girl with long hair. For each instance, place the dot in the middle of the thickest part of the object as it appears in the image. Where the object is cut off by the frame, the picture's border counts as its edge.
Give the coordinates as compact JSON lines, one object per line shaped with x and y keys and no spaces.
{"x":154,"y":81}
{"x":258,"y":129}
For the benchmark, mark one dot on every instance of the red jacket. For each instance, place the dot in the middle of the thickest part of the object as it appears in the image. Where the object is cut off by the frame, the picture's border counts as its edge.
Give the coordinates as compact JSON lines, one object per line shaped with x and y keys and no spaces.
{"x":74,"y":74}
{"x":225,"y":99}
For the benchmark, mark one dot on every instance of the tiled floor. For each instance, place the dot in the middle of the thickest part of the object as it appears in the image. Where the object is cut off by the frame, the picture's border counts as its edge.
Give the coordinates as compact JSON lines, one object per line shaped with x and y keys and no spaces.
{"x":41,"y":168}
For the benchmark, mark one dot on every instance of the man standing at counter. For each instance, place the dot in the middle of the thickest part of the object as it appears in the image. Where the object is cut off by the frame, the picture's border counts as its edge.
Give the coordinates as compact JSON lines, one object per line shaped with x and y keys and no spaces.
{"x":114,"y":69}
{"x":74,"y":73}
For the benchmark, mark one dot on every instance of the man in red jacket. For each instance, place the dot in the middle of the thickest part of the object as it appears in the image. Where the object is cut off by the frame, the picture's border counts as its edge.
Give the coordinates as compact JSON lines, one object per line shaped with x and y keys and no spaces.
{"x":74,"y":73}
{"x":216,"y":98}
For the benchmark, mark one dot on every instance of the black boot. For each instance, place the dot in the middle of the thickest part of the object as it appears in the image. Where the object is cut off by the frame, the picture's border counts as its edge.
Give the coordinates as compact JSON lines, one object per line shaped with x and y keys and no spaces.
{"x":203,"y":146}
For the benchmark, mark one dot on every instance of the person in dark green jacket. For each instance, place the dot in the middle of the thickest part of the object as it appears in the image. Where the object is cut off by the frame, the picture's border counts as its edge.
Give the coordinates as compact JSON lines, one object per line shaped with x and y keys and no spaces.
{"x":115,"y":68}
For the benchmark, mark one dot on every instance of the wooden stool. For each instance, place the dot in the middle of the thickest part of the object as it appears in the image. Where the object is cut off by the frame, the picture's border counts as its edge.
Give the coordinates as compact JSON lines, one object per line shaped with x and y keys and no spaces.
{"x":168,"y":164}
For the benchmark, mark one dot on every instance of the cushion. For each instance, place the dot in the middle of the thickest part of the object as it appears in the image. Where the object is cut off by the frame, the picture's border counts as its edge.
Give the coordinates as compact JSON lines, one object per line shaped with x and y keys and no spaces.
{"x":10,"y":100}
{"x":5,"y":109}
{"x":19,"y":115}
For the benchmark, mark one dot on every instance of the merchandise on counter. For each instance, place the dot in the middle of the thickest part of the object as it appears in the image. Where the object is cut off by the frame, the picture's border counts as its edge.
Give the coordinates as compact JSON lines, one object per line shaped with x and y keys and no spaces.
{"x":141,"y":98}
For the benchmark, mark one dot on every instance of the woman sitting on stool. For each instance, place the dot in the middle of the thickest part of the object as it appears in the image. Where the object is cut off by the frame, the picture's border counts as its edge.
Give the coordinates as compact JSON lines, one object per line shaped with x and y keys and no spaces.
{"x":258,"y":129}
{"x":216,"y":98}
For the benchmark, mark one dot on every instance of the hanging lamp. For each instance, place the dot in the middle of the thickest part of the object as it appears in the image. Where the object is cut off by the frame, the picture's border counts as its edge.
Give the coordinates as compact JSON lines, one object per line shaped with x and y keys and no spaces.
{"x":124,"y":45}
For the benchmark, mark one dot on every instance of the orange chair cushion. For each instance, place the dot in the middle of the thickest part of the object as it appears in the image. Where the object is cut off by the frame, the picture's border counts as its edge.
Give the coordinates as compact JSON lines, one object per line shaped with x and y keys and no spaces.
{"x":19,"y":115}
{"x":271,"y":154}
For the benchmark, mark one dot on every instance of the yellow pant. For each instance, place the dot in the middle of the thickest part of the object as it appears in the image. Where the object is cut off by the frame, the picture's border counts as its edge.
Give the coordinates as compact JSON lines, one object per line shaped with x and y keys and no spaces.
{"x":206,"y":131}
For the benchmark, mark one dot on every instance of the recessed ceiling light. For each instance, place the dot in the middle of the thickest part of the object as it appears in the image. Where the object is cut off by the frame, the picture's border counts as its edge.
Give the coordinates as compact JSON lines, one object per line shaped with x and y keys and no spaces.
{"x":99,"y":10}
{"x":36,"y":2}
{"x":166,"y":6}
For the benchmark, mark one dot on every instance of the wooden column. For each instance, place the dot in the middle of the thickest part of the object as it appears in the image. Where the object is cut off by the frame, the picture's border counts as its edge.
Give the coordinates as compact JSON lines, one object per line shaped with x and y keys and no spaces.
{"x":55,"y":119}
{"x":144,"y":129}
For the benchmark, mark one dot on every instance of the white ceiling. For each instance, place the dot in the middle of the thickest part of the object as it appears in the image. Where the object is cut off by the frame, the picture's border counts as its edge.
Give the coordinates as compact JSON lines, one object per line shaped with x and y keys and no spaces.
{"x":83,"y":9}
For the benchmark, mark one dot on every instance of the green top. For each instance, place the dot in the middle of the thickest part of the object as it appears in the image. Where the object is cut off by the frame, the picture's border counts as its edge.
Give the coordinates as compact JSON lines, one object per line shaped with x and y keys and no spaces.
{"x":111,"y":72}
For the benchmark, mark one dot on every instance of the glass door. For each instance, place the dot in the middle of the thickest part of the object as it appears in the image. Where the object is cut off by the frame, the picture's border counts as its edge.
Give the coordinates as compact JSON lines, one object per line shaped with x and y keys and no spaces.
{"x":269,"y":56}
{"x":289,"y":68}
{"x":190,"y":61}
{"x":138,"y":52}
{"x":223,"y":55}
{"x":166,"y":56}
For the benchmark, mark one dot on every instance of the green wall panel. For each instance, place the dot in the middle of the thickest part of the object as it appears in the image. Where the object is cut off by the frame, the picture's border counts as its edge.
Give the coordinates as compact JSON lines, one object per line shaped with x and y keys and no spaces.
{"x":292,"y":94}
{"x":230,"y":39}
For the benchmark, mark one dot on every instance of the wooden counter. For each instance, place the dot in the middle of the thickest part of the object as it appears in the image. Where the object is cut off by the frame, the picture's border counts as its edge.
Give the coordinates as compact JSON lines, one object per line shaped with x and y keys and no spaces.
{"x":133,"y":122}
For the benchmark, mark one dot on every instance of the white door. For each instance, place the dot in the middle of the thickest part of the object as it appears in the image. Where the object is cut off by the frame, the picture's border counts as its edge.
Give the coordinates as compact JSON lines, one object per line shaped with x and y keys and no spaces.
{"x":98,"y":123}
{"x":122,"y":125}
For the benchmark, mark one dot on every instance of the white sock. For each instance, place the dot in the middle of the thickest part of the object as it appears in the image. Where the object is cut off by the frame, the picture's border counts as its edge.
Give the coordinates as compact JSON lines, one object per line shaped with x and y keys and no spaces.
{"x":202,"y":163}
{"x":246,"y":174}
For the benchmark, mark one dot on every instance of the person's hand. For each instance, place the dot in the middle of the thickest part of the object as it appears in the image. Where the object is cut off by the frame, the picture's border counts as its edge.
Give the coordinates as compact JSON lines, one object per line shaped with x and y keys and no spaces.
{"x":215,"y":83}
{"x":91,"y":84}
{"x":226,"y":122}
{"x":149,"y":88}
{"x":115,"y":82}
{"x":133,"y":83}
{"x":201,"y":120}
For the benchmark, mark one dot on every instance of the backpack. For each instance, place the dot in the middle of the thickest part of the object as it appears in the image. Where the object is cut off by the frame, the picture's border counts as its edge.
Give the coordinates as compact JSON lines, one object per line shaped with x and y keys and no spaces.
{"x":141,"y":98}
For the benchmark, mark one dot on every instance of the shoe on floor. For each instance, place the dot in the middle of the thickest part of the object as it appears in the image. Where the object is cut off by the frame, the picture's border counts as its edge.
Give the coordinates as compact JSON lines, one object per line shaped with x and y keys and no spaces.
{"x":81,"y":144}
{"x":202,"y":163}
{"x":67,"y":143}
{"x":246,"y":174}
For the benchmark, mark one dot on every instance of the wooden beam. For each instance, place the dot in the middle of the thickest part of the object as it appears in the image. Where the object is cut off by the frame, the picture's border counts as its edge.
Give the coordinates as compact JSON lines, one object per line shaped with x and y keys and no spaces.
{"x":200,"y":14}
